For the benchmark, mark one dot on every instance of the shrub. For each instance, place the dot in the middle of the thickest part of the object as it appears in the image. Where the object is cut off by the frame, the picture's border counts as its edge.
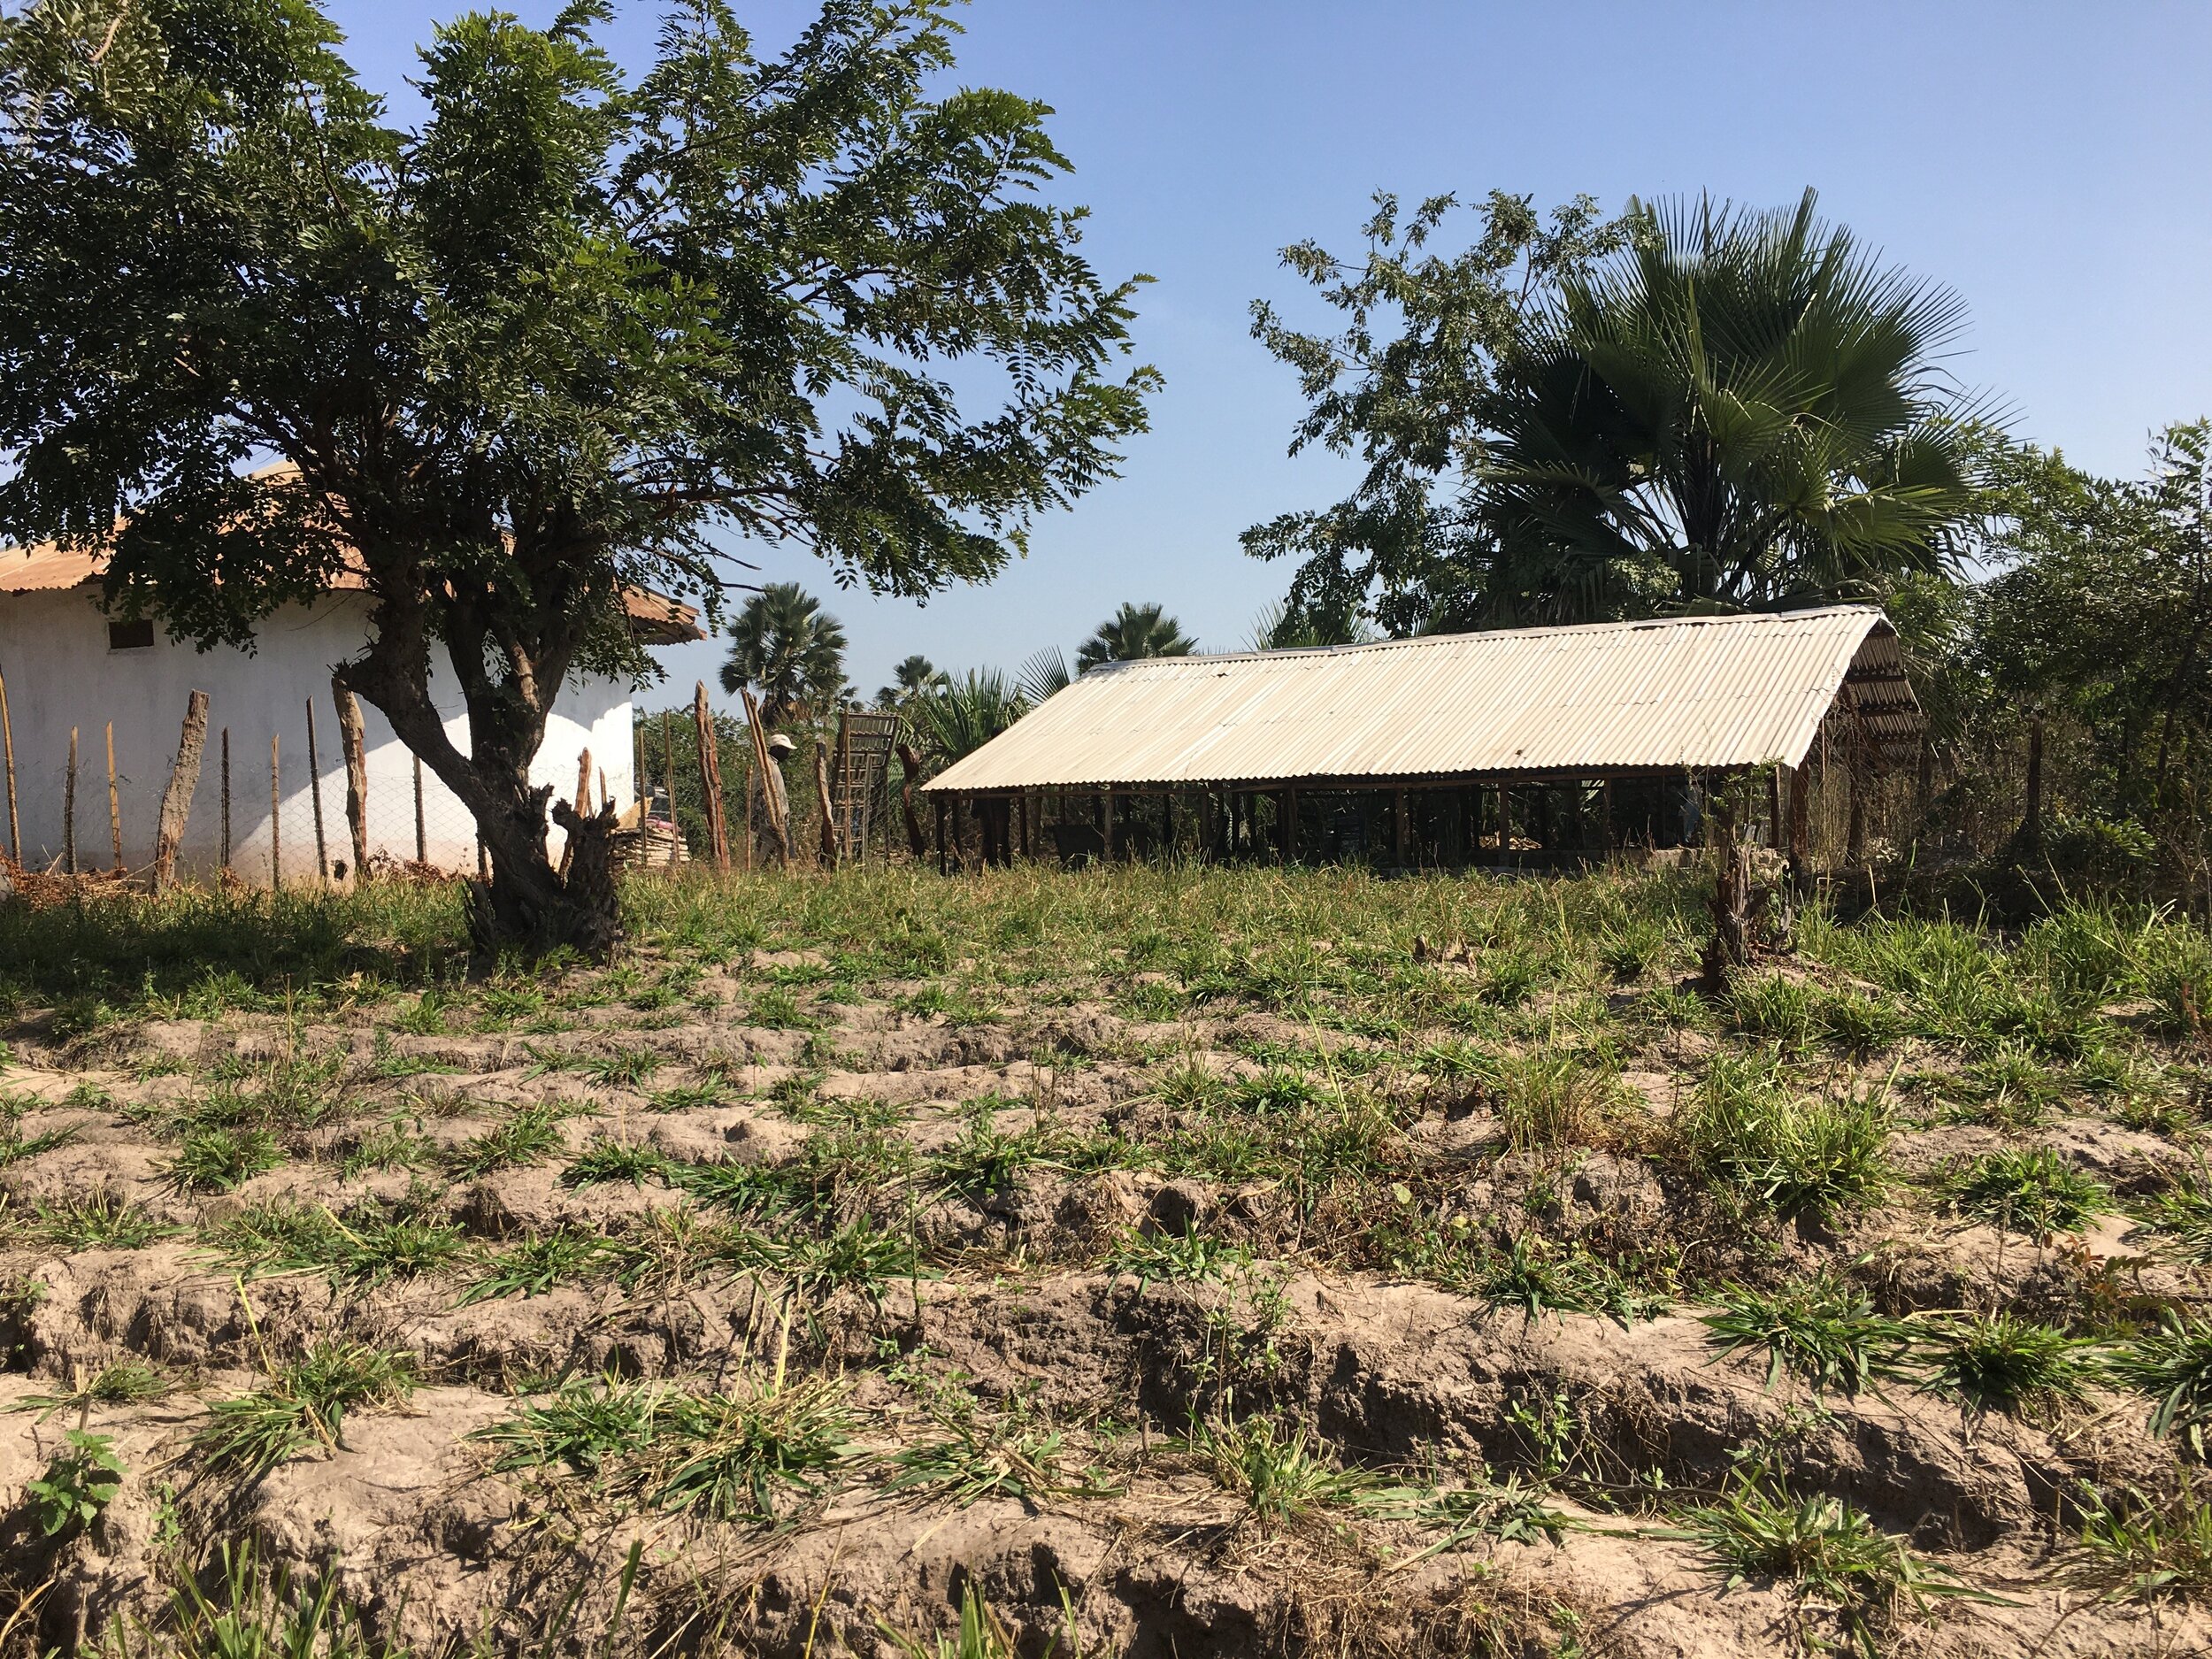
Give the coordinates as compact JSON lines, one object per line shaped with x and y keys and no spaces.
{"x":1794,"y":1155}
{"x":2007,"y":1365}
{"x":1823,"y":1329}
{"x":2035,"y":1192}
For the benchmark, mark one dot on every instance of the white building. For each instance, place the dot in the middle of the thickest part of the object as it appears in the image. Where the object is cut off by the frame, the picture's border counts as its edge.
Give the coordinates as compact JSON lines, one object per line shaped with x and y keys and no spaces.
{"x":67,"y":666}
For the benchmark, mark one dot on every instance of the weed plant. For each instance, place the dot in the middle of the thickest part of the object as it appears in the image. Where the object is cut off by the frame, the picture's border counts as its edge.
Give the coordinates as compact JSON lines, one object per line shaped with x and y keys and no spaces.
{"x":2034,"y":1192}
{"x":304,"y":1403}
{"x":1823,"y":1329}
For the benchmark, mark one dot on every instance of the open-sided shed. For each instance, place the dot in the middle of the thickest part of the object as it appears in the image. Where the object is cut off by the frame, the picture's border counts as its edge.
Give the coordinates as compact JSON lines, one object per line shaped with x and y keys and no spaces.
{"x":1444,"y":736}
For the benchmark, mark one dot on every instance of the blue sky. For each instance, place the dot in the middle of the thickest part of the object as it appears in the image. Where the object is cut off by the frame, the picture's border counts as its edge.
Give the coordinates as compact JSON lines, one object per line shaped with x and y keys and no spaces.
{"x":2047,"y":161}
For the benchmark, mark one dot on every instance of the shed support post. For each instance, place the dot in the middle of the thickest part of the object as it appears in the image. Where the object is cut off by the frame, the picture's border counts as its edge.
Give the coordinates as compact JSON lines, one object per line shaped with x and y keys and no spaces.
{"x":1801,"y":835}
{"x":1398,"y":826}
{"x":1290,"y":826}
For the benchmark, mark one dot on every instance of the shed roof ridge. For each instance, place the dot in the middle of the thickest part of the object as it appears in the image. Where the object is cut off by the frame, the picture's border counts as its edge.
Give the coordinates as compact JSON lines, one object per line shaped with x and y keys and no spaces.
{"x":1559,"y":630}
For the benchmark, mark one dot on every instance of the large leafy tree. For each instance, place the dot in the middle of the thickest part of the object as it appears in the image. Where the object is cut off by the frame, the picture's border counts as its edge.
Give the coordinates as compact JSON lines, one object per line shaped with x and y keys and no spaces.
{"x":2100,"y":613}
{"x":789,"y":650}
{"x":565,"y":337}
{"x":1739,"y":410}
{"x":1131,"y":632}
{"x":1688,"y":407}
{"x":1404,"y":383}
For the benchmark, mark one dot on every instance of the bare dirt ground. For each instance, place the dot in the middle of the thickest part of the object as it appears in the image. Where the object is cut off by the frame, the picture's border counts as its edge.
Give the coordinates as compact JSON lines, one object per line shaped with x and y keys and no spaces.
{"x":1153,"y":1263}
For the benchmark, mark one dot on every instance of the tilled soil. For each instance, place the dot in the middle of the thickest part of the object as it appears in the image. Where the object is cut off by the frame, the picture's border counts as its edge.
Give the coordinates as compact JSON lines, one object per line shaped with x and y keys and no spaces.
{"x":1052,"y":1344}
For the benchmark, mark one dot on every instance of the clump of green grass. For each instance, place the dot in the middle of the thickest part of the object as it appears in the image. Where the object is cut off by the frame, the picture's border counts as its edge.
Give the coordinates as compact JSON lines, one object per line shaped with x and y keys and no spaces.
{"x":123,"y":1382}
{"x":972,"y":1454}
{"x":368,"y":1244}
{"x":1770,"y":1147}
{"x":1190,"y":1254}
{"x":1759,"y":1530}
{"x":1277,"y":1471}
{"x":1537,"y":1277}
{"x":531,"y":1267}
{"x":388,"y":1146}
{"x":1857,"y":1024}
{"x":2137,"y":1548}
{"x":751,"y":1456}
{"x":2034,"y":1192}
{"x":103,"y":1219}
{"x":984,"y":1159}
{"x":304,"y":1403}
{"x":858,"y":1255}
{"x":2182,"y":1216}
{"x":1823,"y":1329}
{"x":1782,"y":1009}
{"x":2173,"y":1365}
{"x":609,"y":1159}
{"x":1547,"y":1101}
{"x":2004,"y":1363}
{"x":527,"y":1136}
{"x":219,"y":1159}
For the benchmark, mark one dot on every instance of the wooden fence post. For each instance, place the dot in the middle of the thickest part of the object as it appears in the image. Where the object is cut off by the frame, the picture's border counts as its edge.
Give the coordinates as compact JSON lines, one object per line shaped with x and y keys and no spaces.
{"x":829,"y":810}
{"x":710,"y":775}
{"x":69,"y":809}
{"x":911,"y":765}
{"x":774,"y":799}
{"x":276,"y":818}
{"x":315,"y":795}
{"x":353,"y":749}
{"x":668,"y":777}
{"x":226,"y":800}
{"x":176,"y":800}
{"x":582,"y":803}
{"x":7,"y":742}
{"x":115,"y":805}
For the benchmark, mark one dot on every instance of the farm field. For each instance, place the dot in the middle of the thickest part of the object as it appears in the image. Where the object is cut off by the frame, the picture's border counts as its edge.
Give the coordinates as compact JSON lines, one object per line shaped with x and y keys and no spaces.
{"x":1143,"y":1260}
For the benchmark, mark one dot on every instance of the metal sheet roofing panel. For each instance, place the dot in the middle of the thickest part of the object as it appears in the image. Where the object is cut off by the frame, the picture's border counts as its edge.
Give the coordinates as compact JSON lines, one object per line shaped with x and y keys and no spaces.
{"x":1687,"y":692}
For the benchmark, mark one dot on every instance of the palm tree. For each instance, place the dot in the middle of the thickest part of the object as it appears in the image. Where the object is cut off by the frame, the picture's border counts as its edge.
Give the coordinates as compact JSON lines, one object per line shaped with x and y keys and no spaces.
{"x":961,"y":716}
{"x":1042,"y":673}
{"x":790,"y":651}
{"x":913,"y":676}
{"x":1283,"y":626}
{"x":1131,"y":632}
{"x":1741,"y":410}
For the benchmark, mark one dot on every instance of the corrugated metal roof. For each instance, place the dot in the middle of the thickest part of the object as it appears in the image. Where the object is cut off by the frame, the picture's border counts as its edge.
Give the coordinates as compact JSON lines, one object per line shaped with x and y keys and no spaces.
{"x":1688,"y":692}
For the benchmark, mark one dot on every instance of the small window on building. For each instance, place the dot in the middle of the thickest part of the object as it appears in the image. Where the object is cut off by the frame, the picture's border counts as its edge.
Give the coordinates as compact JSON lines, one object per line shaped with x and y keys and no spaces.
{"x":131,"y":636}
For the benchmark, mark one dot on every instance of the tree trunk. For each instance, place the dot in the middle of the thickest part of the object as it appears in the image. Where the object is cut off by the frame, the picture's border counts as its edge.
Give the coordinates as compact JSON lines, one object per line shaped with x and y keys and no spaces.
{"x":353,"y":748}
{"x":176,"y":800}
{"x":911,"y":763}
{"x":1730,"y":947}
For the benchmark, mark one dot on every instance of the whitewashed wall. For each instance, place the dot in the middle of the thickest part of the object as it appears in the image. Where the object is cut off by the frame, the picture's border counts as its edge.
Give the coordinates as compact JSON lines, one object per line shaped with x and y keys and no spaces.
{"x":60,"y":672}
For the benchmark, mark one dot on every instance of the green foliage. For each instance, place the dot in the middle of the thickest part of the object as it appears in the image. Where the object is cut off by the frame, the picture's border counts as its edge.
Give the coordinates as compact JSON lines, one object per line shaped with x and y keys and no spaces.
{"x":1405,"y":384}
{"x":1549,"y":1101}
{"x":527,"y":1136}
{"x":730,"y":296}
{"x":303,"y":1404}
{"x":251,"y":1612}
{"x":2001,"y":1362}
{"x":1823,"y":1329}
{"x":2141,"y":1548}
{"x":81,"y":1480}
{"x":789,"y":651}
{"x":746,"y":1456}
{"x":1746,"y":1130}
{"x":1190,"y":1254}
{"x":1275,"y":1471}
{"x":532,"y":1267}
{"x":2173,"y":1365}
{"x":101,"y":1220}
{"x":217,"y":1160}
{"x":1133,"y":633}
{"x":1830,"y":1550}
{"x":2035,"y":1192}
